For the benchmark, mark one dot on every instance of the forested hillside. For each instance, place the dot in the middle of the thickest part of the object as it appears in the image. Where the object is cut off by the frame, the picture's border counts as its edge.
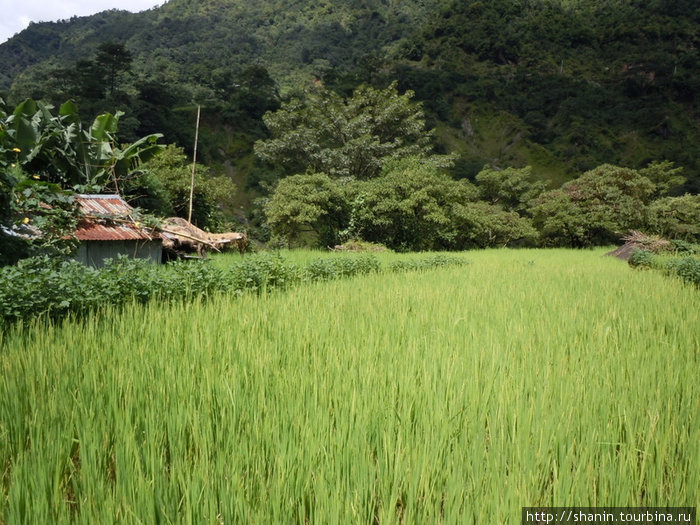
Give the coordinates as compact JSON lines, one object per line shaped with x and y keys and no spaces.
{"x":562,"y":86}
{"x":568,"y":84}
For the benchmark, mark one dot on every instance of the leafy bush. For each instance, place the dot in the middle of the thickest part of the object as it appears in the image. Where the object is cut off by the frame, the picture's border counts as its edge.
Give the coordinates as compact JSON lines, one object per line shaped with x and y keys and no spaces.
{"x":641,"y":259}
{"x":325,"y":269}
{"x":684,"y":248}
{"x":358,"y":245}
{"x":55,"y":288}
{"x":261,"y":272}
{"x":434,"y":261}
{"x":687,"y":268}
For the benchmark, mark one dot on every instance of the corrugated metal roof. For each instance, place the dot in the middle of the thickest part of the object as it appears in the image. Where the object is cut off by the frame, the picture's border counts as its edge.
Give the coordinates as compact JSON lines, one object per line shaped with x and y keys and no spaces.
{"x":105,"y":214}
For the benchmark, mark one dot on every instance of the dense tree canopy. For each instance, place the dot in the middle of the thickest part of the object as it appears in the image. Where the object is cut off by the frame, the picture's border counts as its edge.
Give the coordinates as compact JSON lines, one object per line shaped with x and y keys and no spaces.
{"x":308,"y":209}
{"x":351,"y":137}
{"x":539,"y":92}
{"x":601,"y":205}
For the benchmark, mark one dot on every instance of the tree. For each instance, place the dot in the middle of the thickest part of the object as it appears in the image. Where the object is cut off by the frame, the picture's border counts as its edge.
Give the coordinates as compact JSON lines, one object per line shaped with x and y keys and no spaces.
{"x":676,"y":217}
{"x":62,"y":150}
{"x":664,"y":176}
{"x":511,"y":188}
{"x":354,"y":137}
{"x":409,"y":206}
{"x":112,"y":60}
{"x":559,"y":221}
{"x":307,"y":209}
{"x":163,"y":186}
{"x":594,"y":209}
{"x":483,"y":225}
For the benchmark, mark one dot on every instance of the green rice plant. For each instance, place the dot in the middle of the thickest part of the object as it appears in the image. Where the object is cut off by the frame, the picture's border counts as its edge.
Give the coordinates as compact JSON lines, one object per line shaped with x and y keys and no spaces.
{"x":456,"y":395}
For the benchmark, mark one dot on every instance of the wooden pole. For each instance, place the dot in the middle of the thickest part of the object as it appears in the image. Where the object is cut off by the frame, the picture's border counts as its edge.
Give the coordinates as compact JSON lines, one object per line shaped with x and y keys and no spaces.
{"x":194,"y":164}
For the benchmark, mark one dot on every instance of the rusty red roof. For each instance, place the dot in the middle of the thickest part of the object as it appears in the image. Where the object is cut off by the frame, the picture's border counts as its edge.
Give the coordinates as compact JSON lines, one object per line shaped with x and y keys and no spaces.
{"x":107,"y":218}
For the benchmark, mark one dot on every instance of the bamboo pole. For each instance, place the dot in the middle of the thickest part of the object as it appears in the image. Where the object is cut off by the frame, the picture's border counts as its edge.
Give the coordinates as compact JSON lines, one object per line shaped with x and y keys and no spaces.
{"x":194,"y":164}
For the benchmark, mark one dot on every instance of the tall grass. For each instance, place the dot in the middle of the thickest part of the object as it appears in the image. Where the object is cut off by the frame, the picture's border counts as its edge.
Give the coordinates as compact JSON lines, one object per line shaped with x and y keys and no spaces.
{"x":457,"y":395}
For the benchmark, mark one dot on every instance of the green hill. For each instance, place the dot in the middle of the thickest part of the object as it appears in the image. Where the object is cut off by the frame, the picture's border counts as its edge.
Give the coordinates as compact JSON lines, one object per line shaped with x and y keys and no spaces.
{"x":562,"y":85}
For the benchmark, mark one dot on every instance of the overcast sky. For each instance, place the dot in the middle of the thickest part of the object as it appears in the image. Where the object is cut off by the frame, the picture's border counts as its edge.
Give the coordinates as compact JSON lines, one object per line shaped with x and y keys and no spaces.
{"x":15,"y":15}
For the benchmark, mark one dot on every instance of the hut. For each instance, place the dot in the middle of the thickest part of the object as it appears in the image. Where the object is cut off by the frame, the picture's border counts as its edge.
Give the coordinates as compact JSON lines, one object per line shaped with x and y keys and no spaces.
{"x":107,"y":230}
{"x":640,"y":241}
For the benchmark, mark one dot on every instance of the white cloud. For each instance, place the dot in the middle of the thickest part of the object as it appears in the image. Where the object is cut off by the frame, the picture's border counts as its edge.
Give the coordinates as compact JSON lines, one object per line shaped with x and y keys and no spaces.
{"x":16,"y":14}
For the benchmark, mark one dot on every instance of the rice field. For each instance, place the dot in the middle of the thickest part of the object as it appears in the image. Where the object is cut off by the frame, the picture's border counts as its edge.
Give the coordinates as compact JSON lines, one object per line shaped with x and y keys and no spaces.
{"x":456,"y":395}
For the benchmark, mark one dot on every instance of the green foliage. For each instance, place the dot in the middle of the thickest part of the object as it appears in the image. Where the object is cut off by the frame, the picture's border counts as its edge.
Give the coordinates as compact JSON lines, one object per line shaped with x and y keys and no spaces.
{"x":307,"y":209}
{"x":676,"y":217}
{"x":511,"y":188}
{"x":559,"y":221}
{"x":408,"y":207}
{"x":39,"y":216}
{"x":686,"y":268}
{"x":587,"y":88}
{"x":163,"y":187}
{"x":62,"y":150}
{"x":50,"y":211}
{"x":594,"y":209}
{"x":112,"y":60}
{"x":483,"y":225}
{"x":685,"y":248}
{"x":664,"y":175}
{"x":350,"y":137}
{"x":641,"y":259}
{"x":427,"y":263}
{"x":325,"y":269}
{"x":55,"y":288}
{"x":358,"y":245}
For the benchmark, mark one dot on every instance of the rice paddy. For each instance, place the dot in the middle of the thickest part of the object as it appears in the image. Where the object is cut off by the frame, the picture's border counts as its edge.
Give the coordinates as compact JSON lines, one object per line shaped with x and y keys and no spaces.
{"x":456,"y":395}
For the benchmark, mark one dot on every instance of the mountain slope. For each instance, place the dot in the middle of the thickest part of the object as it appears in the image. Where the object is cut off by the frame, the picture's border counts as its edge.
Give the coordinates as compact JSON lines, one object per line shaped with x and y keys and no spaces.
{"x":562,"y":85}
{"x":193,"y":38}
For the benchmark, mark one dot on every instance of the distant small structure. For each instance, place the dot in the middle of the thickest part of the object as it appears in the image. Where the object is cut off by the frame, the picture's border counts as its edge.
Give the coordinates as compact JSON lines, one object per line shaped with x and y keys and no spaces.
{"x":181,"y":238}
{"x":107,"y":230}
{"x":639,"y":241}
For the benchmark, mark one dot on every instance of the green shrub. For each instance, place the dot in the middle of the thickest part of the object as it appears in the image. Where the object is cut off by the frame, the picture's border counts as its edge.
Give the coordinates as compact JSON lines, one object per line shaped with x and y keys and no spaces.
{"x":641,"y":259}
{"x":684,"y":247}
{"x":687,"y":268}
{"x":433,"y":261}
{"x":55,"y":288}
{"x":325,"y":269}
{"x":261,"y":272}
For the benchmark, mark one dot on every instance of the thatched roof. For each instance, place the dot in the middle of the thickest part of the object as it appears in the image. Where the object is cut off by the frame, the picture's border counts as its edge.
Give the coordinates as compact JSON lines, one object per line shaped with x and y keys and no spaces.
{"x":180,"y":235}
{"x":639,"y":241}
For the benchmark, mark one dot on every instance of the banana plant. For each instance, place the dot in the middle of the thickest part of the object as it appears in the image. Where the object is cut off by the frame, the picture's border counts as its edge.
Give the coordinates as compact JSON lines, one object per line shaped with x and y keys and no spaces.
{"x":62,"y":150}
